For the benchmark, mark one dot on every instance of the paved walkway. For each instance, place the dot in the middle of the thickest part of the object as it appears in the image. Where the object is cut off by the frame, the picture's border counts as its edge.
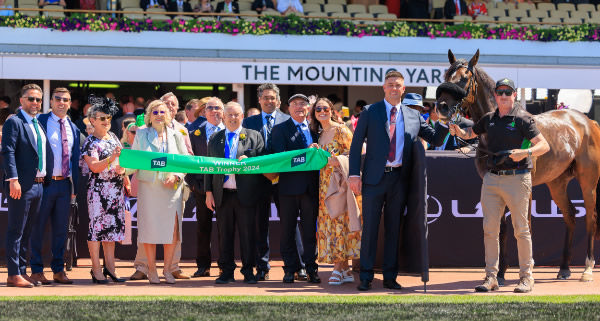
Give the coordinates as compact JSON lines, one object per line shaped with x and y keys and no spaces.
{"x":442,"y":282}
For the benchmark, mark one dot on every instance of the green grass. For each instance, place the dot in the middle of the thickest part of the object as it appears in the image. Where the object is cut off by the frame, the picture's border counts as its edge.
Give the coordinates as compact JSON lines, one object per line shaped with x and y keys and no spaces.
{"x":306,"y":308}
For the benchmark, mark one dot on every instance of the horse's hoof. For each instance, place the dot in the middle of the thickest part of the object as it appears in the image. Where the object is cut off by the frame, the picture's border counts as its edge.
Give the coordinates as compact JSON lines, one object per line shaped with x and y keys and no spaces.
{"x":501,"y":281}
{"x":586,"y":277}
{"x":563,"y":274}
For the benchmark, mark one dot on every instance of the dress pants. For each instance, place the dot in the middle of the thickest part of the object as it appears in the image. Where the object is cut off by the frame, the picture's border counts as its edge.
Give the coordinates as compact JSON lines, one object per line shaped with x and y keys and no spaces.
{"x":56,"y":203}
{"x":203,"y":231}
{"x":390,"y":195}
{"x":229,"y":214}
{"x":307,"y":206}
{"x":21,"y":215}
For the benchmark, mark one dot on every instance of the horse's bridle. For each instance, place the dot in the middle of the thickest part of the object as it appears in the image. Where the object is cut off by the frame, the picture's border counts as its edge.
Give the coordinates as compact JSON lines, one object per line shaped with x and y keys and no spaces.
{"x":469,"y":99}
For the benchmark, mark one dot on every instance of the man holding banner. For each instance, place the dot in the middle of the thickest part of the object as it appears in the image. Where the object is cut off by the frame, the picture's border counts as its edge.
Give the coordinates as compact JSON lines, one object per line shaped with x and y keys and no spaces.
{"x":234,"y":196}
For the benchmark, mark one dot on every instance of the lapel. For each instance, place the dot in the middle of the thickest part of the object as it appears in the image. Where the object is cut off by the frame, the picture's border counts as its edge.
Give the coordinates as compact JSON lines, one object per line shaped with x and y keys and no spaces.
{"x":295,"y":135}
{"x":153,"y":140}
{"x":220,"y":138}
{"x":241,"y":147}
{"x":382,"y":113}
{"x":172,"y":142}
{"x":28,"y":131}
{"x":202,"y":135}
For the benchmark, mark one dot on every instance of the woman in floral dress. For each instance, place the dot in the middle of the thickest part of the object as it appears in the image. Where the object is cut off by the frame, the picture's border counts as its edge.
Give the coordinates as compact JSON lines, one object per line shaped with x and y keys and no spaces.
{"x":336,"y":243}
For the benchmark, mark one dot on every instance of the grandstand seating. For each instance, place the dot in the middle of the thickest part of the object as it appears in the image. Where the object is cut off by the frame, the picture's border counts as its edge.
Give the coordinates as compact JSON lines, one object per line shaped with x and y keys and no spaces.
{"x":356,"y":8}
{"x":377,"y":9}
{"x":54,"y":14}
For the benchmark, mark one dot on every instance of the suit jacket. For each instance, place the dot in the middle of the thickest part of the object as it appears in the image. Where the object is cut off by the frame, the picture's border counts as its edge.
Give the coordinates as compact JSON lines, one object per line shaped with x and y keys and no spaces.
{"x":286,"y":137}
{"x":373,"y":125}
{"x":259,"y":4}
{"x":196,"y":124}
{"x":256,"y":123}
{"x":200,"y":148}
{"x":450,"y":9}
{"x":172,"y":6}
{"x":144,"y":4}
{"x":146,"y":140}
{"x":221,"y":7}
{"x":247,"y":185}
{"x":20,"y":152}
{"x":75,"y":150}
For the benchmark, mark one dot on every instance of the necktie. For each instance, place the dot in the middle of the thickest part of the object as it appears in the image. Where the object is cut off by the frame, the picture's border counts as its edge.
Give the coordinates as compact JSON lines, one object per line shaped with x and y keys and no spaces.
{"x":457,"y":7}
{"x":269,"y":129}
{"x":209,"y":132}
{"x":392,"y":154}
{"x":65,"y":148}
{"x":40,"y":151}
{"x":228,"y":150}
{"x":302,"y":137}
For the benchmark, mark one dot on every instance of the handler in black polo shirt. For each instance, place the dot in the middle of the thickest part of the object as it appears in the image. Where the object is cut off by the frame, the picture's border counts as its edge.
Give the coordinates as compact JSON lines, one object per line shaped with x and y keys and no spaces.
{"x":508,"y":180}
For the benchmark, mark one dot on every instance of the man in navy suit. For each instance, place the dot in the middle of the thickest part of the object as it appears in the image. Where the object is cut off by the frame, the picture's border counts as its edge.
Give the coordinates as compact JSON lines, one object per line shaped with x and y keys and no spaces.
{"x":298,"y":192}
{"x":199,"y":139}
{"x":27,"y":159}
{"x":390,"y":130}
{"x":63,"y":137}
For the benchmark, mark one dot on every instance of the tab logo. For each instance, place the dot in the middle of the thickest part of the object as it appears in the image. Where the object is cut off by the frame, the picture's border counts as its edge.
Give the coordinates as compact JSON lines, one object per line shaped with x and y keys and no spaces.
{"x":159,"y":162}
{"x":299,"y":160}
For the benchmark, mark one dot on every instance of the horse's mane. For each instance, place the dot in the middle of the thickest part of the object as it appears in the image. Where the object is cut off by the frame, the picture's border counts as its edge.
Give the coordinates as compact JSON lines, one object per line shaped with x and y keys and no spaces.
{"x":486,"y":83}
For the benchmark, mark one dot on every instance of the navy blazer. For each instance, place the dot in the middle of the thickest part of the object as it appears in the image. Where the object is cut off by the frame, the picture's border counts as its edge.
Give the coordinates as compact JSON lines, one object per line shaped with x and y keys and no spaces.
{"x":196,"y":124}
{"x":20,"y":152}
{"x":373,"y":125}
{"x":200,"y":148}
{"x":75,"y":151}
{"x":256,"y":123}
{"x":285,"y":137}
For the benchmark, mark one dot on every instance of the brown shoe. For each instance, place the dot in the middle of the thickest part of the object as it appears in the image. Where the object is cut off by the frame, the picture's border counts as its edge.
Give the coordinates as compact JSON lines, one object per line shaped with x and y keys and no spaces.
{"x":489,"y":284}
{"x":41,"y":278}
{"x":18,"y":281}
{"x":61,"y":277}
{"x":138,"y":275}
{"x":525,"y":285}
{"x":179,"y":275}
{"x":32,"y":281}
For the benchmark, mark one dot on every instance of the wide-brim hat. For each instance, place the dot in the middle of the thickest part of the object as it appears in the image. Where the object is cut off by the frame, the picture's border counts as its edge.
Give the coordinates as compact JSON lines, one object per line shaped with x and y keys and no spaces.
{"x":451,"y":88}
{"x":412,"y":99}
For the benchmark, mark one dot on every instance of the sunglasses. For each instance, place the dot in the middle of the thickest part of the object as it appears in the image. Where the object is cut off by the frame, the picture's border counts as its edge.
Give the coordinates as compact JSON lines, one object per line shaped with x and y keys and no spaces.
{"x":156,"y":112}
{"x":104,"y":118}
{"x":213,"y":108}
{"x":320,"y":109}
{"x":506,"y":92}
{"x":32,"y":99}
{"x":63,"y":99}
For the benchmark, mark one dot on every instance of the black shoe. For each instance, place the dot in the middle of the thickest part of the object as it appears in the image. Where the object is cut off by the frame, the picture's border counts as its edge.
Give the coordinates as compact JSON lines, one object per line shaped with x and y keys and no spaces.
{"x":365,"y":285}
{"x":250,"y":279}
{"x":201,"y":272}
{"x":262,"y":275}
{"x":288,"y":277}
{"x":301,"y":275}
{"x":224,"y":279}
{"x":94,"y":280}
{"x":392,"y":284}
{"x":114,"y":278}
{"x":313,"y":277}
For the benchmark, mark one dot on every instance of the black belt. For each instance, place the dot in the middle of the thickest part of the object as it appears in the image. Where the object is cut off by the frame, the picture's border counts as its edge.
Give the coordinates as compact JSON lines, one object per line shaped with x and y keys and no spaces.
{"x":229,"y":190}
{"x":389,"y":169}
{"x":510,"y":171}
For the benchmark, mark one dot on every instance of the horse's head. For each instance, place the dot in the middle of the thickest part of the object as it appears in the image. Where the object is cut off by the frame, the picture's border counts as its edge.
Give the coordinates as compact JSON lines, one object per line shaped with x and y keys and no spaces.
{"x":462,"y":74}
{"x":449,"y":97}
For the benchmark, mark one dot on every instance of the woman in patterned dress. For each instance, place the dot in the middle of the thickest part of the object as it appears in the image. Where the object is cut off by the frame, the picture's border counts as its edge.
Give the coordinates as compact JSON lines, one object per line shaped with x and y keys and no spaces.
{"x":336,"y":242}
{"x":105,"y":191}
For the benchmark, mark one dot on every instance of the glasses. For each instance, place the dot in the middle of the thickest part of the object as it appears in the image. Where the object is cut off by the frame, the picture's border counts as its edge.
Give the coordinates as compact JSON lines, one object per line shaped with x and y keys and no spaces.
{"x":104,"y":118}
{"x":506,"y":92}
{"x":215,"y":108}
{"x":32,"y":99}
{"x":156,"y":112}
{"x":63,"y":99}
{"x":321,"y":109}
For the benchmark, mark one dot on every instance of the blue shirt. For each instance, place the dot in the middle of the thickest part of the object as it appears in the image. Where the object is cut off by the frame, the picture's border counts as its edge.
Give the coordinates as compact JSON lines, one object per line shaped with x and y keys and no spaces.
{"x":305,"y":131}
{"x":399,"y":133}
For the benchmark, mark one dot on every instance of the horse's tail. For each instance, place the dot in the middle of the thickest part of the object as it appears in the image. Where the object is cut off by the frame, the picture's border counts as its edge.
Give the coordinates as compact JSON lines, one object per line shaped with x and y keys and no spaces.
{"x":596,"y":132}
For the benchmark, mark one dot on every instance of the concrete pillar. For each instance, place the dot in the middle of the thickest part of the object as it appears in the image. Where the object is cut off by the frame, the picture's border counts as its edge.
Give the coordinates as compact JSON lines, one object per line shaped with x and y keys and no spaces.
{"x":46,"y":99}
{"x":239,"y":90}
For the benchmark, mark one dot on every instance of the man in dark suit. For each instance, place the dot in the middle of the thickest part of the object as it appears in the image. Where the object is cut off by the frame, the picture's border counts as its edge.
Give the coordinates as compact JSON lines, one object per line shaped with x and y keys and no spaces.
{"x":390,"y":130}
{"x":179,"y":6}
{"x":455,"y":8}
{"x":27,"y":159}
{"x":145,"y":4}
{"x":227,"y":6}
{"x":63,"y":136}
{"x":195,"y":111}
{"x":298,"y":192}
{"x":234,"y":196}
{"x":199,"y":139}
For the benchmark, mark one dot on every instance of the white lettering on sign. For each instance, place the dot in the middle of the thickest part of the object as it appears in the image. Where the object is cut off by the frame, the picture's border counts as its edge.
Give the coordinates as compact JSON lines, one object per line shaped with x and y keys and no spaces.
{"x":159,"y":163}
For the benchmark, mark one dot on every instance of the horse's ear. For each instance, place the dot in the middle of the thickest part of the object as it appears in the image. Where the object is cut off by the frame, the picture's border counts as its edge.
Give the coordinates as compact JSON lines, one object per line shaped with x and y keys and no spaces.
{"x":474,"y":60}
{"x":451,"y":57}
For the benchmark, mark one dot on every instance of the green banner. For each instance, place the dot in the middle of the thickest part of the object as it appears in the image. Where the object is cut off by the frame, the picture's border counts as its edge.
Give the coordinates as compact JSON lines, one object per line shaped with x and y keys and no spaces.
{"x":308,"y":159}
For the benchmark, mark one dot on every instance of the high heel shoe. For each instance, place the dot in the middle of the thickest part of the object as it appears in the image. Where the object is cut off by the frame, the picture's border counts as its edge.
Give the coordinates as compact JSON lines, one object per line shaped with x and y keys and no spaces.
{"x":113,"y":277}
{"x":94,"y":280}
{"x":169,"y":278}
{"x":153,"y":278}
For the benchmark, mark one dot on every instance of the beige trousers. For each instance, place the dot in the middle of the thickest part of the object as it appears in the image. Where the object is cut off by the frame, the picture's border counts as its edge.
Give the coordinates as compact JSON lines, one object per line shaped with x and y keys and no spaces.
{"x":497,"y":192}
{"x":141,"y":261}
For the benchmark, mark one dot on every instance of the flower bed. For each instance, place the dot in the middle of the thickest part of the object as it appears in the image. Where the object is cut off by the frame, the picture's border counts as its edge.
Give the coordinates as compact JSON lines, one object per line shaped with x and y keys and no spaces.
{"x":293,"y":25}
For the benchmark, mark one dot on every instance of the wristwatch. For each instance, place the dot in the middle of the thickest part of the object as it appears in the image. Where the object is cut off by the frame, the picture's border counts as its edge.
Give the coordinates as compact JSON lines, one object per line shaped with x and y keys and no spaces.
{"x":529,"y":152}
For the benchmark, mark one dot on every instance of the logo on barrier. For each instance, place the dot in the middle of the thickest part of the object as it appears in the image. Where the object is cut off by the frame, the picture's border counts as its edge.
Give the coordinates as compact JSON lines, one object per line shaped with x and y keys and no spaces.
{"x":158,"y":162}
{"x":299,"y":160}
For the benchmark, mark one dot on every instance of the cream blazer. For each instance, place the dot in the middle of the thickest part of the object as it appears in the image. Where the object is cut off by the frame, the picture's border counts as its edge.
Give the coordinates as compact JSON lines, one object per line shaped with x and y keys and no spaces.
{"x":146,"y":140}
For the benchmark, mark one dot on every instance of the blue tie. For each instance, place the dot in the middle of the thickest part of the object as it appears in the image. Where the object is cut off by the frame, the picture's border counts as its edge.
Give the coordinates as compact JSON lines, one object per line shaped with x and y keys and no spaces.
{"x":302,"y":137}
{"x":228,"y":144}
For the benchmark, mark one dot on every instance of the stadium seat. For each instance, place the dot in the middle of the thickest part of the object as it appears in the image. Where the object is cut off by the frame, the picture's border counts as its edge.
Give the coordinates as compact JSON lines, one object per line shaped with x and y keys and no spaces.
{"x":23,"y":11}
{"x":565,"y":7}
{"x":317,"y":14}
{"x":54,"y":14}
{"x":484,"y":19}
{"x":595,"y":14}
{"x":580,"y":14}
{"x":314,"y":2}
{"x":505,"y":5}
{"x":359,"y":16}
{"x":312,"y":7}
{"x":245,"y":6}
{"x":573,"y":20}
{"x":517,"y":13}
{"x":546,"y":6}
{"x":342,"y":2}
{"x":156,"y":10}
{"x":333,"y":8}
{"x":23,"y":3}
{"x":228,"y":19}
{"x":588,"y":7}
{"x":341,"y":15}
{"x":130,"y":4}
{"x":526,"y":6}
{"x":356,"y":8}
{"x":507,"y":20}
{"x":559,"y":14}
{"x":206,"y":18}
{"x":594,"y":20}
{"x":377,"y":9}
{"x":531,"y":20}
{"x":552,"y":19}
{"x":388,"y":16}
{"x":462,"y":19}
{"x":177,"y":18}
{"x":159,"y":17}
{"x":539,"y":13}
{"x":135,"y":16}
{"x":498,"y":13}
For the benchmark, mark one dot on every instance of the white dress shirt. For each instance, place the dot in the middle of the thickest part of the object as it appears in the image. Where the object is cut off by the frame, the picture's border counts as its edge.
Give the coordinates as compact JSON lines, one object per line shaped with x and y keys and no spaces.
{"x":399,"y":133}
{"x":230,"y":184}
{"x":56,"y":142}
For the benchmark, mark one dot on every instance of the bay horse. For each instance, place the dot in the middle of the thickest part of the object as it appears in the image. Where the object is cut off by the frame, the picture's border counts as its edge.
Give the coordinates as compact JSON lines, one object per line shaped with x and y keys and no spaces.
{"x":574,"y":142}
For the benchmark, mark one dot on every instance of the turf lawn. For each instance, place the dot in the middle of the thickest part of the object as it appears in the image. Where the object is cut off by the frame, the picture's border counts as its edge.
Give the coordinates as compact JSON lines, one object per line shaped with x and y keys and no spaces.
{"x":305,"y":308}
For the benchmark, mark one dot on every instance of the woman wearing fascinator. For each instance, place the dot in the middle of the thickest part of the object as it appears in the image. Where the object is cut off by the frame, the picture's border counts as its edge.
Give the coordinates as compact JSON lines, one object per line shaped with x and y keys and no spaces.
{"x":105,"y":189}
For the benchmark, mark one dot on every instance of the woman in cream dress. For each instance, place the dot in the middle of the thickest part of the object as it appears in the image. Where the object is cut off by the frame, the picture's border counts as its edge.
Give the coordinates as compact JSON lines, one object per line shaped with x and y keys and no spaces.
{"x":160,"y":194}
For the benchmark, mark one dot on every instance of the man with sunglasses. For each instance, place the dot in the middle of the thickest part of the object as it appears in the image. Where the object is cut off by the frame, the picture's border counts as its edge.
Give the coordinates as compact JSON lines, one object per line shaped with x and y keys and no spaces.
{"x":508,"y":181}
{"x":63,"y":136}
{"x":27,"y":160}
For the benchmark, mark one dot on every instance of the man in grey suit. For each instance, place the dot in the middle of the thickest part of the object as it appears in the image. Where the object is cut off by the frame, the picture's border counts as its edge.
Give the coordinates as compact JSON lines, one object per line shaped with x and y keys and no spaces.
{"x":234,"y":196}
{"x":390,"y":130}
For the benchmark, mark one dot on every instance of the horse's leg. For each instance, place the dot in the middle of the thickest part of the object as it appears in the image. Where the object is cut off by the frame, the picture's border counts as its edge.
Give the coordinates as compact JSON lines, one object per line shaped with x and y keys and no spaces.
{"x":502,"y":264}
{"x":558,"y":191}
{"x":588,"y":182}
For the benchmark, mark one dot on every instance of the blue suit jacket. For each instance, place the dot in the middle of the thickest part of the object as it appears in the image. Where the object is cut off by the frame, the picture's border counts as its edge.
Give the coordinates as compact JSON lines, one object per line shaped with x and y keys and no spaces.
{"x":20,"y":152}
{"x":196,"y":124}
{"x":75,"y":151}
{"x":373,"y":125}
{"x":256,"y":123}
